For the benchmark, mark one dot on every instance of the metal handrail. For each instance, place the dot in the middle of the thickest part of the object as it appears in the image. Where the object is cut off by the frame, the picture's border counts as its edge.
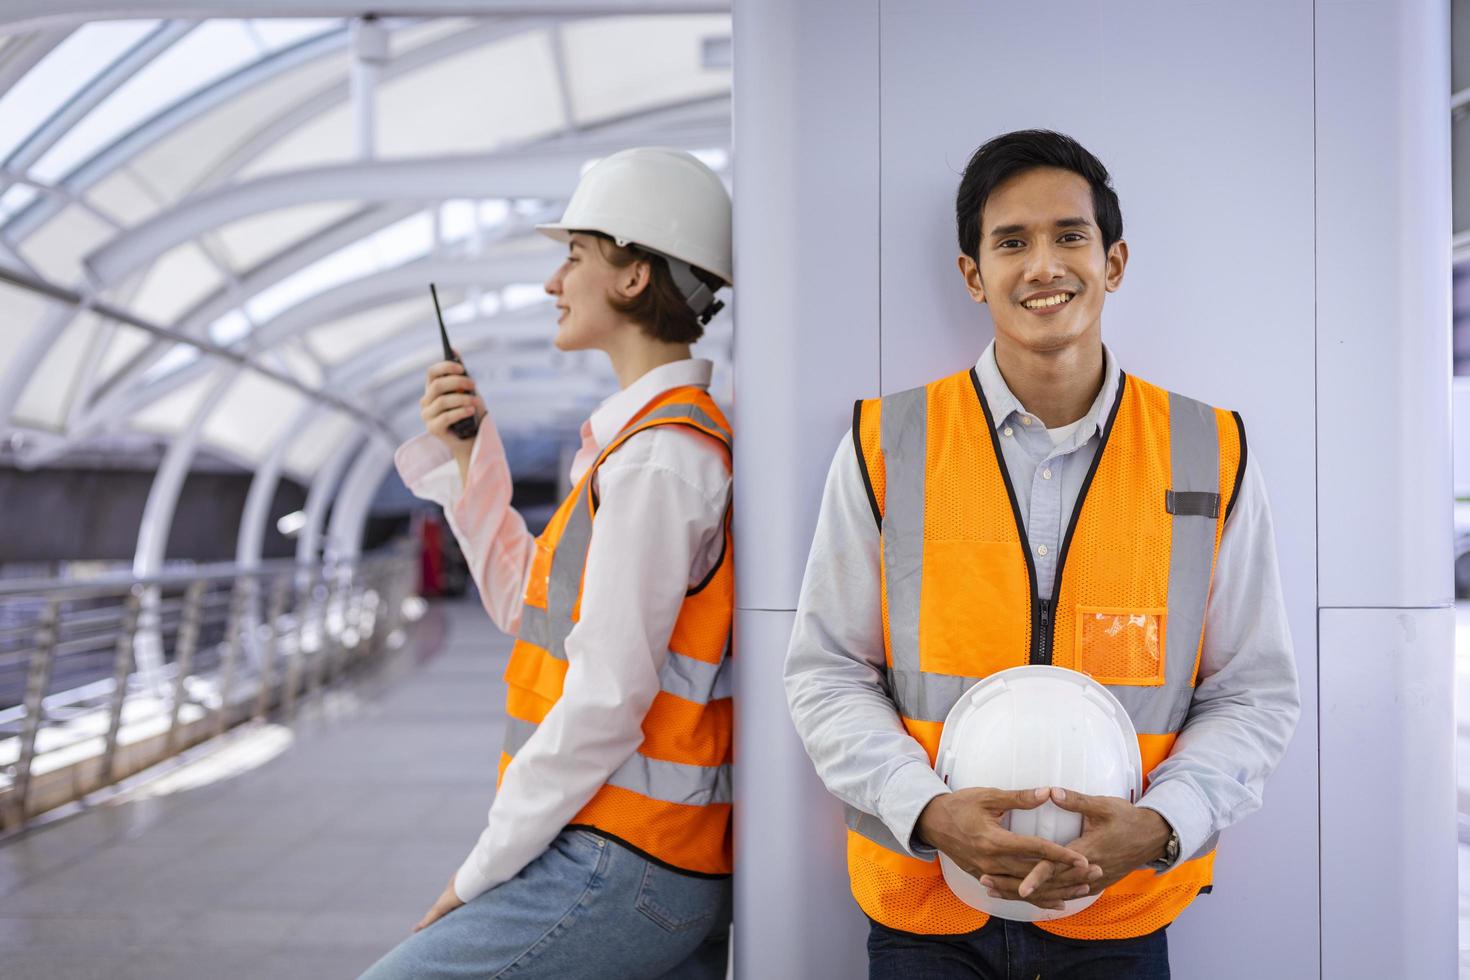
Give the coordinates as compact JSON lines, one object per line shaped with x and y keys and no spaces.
{"x":109,"y":583}
{"x":226,"y":644}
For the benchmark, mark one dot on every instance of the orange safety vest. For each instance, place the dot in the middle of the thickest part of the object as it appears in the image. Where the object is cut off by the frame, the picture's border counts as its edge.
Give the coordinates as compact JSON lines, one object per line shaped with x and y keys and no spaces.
{"x":960,"y":602}
{"x":671,"y":800}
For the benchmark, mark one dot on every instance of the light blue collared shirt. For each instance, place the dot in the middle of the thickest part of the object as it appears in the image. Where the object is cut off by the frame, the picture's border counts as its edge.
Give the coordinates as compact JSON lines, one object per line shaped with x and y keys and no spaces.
{"x":1047,"y":477}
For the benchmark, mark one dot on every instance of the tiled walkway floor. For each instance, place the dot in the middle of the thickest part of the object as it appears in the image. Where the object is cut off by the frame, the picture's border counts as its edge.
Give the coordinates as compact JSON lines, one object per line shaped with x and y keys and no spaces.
{"x":312,"y":864}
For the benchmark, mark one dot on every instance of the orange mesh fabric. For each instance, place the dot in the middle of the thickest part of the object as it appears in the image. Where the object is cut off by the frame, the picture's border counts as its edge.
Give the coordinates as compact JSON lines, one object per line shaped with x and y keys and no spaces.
{"x":1138,"y":905}
{"x":676,"y":730}
{"x":869,"y":419}
{"x":1119,"y":554}
{"x":869,"y":422}
{"x":695,"y":838}
{"x":904,"y":893}
{"x":975,"y":579}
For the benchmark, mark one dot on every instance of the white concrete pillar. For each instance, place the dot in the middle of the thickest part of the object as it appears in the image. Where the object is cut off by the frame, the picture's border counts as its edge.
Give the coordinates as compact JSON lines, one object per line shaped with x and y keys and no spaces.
{"x":806,"y":268}
{"x":1384,"y":490}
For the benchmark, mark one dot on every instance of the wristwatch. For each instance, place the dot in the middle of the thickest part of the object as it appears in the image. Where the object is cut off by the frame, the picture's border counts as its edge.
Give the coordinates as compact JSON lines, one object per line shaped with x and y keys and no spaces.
{"x":1171,"y":853}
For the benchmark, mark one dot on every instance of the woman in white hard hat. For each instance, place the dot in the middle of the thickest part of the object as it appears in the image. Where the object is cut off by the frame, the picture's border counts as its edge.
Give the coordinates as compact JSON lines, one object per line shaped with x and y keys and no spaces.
{"x":607,"y":851}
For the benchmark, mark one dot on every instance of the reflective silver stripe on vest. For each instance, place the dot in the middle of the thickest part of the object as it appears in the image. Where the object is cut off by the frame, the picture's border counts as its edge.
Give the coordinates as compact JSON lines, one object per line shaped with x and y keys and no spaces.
{"x":695,"y":680}
{"x":673,"y":782}
{"x":690,"y":411}
{"x":567,"y":564}
{"x":1194,"y":465}
{"x":517,"y":733}
{"x":670,"y":782}
{"x":535,"y":627}
{"x":926,"y":696}
{"x":903,"y":430}
{"x":872,"y":828}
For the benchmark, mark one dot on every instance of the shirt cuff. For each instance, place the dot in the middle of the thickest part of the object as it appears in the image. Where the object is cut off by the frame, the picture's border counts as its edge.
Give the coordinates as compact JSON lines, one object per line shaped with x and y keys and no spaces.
{"x":470,"y":881}
{"x":418,"y":457}
{"x":487,"y":479}
{"x":1184,"y":810}
{"x":904,"y":797}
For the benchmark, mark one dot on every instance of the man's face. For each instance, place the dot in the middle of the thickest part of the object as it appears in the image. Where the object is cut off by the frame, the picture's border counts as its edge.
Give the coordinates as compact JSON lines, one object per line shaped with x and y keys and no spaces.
{"x":1042,"y":267}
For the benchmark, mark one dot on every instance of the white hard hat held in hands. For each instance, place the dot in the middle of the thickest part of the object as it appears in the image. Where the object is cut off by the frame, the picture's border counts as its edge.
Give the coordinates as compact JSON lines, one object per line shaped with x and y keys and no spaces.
{"x":1037,"y":726}
{"x":665,"y":201}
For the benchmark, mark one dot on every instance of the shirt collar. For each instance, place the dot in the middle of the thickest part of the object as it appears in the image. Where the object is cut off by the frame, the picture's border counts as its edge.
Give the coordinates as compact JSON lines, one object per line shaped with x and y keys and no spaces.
{"x":609,"y":418}
{"x":1003,"y":404}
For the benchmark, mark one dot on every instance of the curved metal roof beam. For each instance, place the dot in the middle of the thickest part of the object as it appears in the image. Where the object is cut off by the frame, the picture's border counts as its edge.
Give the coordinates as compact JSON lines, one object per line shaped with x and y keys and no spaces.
{"x":265,"y":275}
{"x":522,"y":324}
{"x":145,"y":134}
{"x":356,"y":296}
{"x":28,"y":15}
{"x":24,"y":53}
{"x":540,"y":172}
{"x":338,"y":93}
{"x":102,"y":85}
{"x":215,"y":351}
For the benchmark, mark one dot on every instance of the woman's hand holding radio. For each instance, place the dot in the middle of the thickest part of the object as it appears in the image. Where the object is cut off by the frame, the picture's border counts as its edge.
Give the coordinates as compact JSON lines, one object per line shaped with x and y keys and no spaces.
{"x":449,"y":396}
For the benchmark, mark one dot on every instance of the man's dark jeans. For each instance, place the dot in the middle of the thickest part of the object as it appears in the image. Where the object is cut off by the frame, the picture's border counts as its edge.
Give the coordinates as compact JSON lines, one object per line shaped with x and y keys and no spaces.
{"x":1002,"y":950}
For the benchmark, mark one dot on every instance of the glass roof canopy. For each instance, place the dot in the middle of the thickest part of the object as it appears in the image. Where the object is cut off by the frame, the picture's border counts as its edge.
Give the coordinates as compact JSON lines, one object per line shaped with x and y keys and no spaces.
{"x":221,"y":230}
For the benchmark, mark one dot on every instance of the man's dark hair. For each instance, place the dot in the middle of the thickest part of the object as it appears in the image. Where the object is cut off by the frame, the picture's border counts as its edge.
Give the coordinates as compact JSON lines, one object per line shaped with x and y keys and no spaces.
{"x":1009,"y":154}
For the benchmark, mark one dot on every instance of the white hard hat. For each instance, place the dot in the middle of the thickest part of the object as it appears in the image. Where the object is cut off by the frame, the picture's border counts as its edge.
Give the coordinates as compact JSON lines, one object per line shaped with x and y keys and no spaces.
{"x":664,"y":200}
{"x":1037,"y":726}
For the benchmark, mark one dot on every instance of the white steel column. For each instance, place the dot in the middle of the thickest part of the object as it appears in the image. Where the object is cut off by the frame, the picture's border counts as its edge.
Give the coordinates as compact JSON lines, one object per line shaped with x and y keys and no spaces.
{"x":369,"y":55}
{"x":319,"y":497}
{"x":158,"y":519}
{"x":806,"y":260}
{"x":349,"y":514}
{"x":1384,"y":490}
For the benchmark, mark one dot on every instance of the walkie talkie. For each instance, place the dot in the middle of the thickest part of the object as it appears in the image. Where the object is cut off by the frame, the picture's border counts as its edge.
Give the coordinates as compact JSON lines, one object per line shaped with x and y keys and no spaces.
{"x":466,"y":428}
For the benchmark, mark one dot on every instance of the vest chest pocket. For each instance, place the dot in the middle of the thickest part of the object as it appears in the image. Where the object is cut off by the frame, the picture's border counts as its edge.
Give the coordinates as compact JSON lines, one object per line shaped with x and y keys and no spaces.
{"x":1121,"y":645}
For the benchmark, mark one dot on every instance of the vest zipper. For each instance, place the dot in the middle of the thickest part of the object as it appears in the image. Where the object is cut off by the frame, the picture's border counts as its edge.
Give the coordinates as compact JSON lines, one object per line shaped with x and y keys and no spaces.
{"x":1044,"y":650}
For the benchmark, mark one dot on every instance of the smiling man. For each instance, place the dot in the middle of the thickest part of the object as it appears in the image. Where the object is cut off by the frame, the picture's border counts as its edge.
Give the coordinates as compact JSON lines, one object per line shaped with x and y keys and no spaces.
{"x":993,"y":519}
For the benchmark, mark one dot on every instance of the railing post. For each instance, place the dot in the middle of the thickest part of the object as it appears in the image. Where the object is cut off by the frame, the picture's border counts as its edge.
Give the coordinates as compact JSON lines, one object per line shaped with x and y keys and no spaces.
{"x":268,"y":656}
{"x":184,"y":647}
{"x":122,"y":669}
{"x":320,"y":615}
{"x":38,"y":679}
{"x":302,"y":579}
{"x":239,"y":599}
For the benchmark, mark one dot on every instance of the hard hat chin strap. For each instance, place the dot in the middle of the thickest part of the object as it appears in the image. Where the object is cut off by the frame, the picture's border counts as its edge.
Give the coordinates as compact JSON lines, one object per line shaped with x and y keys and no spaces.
{"x":697,"y":294}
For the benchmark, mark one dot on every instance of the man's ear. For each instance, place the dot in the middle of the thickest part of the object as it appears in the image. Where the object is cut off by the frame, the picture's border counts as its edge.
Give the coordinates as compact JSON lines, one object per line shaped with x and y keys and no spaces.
{"x":971,"y":273}
{"x":1117,"y":260}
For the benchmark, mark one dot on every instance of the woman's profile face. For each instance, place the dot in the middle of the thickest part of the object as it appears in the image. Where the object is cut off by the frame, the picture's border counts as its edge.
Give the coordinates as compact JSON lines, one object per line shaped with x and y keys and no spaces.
{"x":581,"y":287}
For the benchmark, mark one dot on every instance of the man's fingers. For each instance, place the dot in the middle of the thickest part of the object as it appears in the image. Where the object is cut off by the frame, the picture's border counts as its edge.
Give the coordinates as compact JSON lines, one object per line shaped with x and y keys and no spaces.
{"x":1018,"y":799}
{"x":1010,"y":887}
{"x":1070,"y":799}
{"x":1037,"y":847}
{"x":1039,"y":876}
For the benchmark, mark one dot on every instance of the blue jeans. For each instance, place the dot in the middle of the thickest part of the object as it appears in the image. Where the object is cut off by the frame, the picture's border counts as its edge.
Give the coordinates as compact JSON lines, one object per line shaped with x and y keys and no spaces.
{"x":1003,"y":950}
{"x":588,"y":907}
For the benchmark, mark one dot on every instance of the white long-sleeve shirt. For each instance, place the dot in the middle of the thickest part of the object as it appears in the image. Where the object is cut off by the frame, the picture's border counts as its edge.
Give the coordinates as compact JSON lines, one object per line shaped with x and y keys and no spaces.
{"x":659,"y":530}
{"x":1245,"y":705}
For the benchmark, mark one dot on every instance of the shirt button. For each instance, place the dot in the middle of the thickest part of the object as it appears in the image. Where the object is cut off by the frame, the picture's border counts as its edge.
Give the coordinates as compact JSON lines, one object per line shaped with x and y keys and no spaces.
{"x":1041,"y":550}
{"x":1025,"y":420}
{"x":1007,"y":430}
{"x":1046,"y":474}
